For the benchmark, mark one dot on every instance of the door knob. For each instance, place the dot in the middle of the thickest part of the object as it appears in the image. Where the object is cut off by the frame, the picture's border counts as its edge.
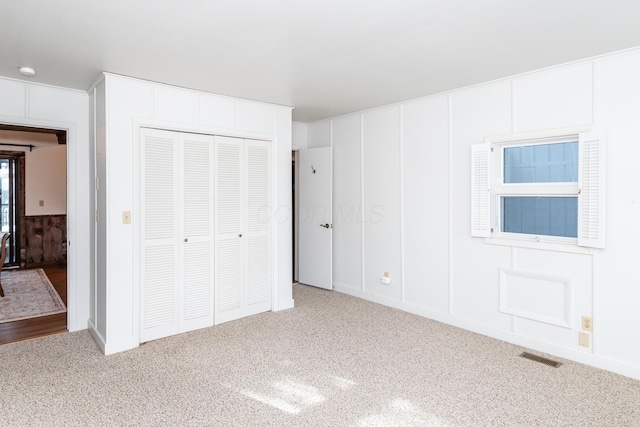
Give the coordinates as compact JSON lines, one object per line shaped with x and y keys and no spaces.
{"x":186,"y":240}
{"x":325,"y":225}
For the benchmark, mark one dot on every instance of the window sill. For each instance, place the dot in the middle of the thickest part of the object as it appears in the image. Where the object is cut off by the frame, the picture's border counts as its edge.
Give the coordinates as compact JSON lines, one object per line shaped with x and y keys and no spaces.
{"x":543,"y":246}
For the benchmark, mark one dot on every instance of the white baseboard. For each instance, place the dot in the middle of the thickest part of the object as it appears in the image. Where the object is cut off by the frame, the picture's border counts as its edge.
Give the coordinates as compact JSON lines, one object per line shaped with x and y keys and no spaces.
{"x":108,"y":348}
{"x":591,"y":359}
{"x":96,"y":336}
{"x":284,"y":306}
{"x":78,"y":325}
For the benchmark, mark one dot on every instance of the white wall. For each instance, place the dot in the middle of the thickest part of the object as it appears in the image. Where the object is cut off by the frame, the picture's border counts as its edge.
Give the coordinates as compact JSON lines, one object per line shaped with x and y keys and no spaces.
{"x":46,"y":180}
{"x":411,"y":162}
{"x":299,"y":135}
{"x":50,"y":107}
{"x":122,"y":106}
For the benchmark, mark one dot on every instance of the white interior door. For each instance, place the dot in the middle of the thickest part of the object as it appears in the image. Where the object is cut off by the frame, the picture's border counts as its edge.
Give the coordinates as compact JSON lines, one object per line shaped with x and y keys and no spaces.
{"x":315,"y":217}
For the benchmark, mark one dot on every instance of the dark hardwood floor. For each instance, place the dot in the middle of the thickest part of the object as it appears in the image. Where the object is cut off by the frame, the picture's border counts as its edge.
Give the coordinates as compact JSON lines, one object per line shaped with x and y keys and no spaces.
{"x":40,"y":326}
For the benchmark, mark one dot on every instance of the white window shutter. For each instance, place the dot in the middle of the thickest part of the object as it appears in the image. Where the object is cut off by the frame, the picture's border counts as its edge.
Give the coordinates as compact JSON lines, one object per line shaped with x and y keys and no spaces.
{"x":480,"y":190}
{"x":591,"y":196}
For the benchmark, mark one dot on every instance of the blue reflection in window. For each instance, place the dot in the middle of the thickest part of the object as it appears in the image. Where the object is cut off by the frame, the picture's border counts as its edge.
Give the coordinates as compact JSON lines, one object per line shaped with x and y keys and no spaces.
{"x":556,"y":162}
{"x":540,"y":216}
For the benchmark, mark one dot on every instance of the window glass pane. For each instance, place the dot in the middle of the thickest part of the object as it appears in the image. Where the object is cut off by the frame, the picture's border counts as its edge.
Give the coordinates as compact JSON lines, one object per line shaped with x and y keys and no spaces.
{"x":541,"y":163}
{"x":540,"y":216}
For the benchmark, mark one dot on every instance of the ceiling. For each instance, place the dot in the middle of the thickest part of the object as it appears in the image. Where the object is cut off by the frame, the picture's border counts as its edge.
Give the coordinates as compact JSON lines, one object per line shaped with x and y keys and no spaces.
{"x":324,"y":57}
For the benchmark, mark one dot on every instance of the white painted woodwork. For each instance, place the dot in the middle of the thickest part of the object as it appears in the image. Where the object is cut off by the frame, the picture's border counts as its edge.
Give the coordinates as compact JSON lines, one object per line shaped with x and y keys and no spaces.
{"x":315,"y":217}
{"x":425,"y":159}
{"x":347,"y":202}
{"x":562,"y":268}
{"x":98,"y":320}
{"x":127,"y":105}
{"x":216,"y":111}
{"x":14,"y":98}
{"x":244,"y":260}
{"x":539,"y":313}
{"x":536,"y":296}
{"x":177,"y":227}
{"x":474,"y":265}
{"x":382,"y":201}
{"x":481,"y":190}
{"x":160,"y":217}
{"x":30,"y":104}
{"x":176,"y":105}
{"x":616,"y":294}
{"x":592,"y":190}
{"x":197,"y":214}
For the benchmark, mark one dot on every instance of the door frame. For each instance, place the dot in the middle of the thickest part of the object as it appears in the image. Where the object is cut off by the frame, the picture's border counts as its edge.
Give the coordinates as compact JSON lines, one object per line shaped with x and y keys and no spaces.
{"x":15,"y":214}
{"x":74,"y":216}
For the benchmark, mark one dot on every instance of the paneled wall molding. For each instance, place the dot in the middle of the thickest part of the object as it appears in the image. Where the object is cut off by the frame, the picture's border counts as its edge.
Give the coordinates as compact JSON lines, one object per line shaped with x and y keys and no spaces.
{"x":448,"y":275}
{"x":542,"y":297}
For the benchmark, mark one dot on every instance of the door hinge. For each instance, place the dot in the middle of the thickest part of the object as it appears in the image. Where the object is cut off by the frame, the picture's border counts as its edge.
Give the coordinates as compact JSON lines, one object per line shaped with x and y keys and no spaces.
{"x":97,"y":183}
{"x":97,"y":215}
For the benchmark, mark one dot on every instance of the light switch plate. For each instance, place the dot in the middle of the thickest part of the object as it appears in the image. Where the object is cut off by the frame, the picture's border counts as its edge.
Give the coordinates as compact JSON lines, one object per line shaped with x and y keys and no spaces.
{"x":126,"y":217}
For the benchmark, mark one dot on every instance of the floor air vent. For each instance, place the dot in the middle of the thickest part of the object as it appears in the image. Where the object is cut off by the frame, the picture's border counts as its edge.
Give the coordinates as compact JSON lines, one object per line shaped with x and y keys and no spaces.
{"x":540,"y":359}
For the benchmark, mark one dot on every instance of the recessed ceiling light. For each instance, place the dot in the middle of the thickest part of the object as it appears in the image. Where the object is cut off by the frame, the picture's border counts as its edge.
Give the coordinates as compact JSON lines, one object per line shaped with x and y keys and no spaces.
{"x":27,"y":71}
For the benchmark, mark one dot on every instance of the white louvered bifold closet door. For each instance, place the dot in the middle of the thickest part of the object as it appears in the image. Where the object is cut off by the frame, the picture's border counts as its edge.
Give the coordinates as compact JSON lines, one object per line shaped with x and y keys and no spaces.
{"x":196,"y":298}
{"x":159,"y":227}
{"x":177,"y":233}
{"x":229,"y":271}
{"x":258,"y":230}
{"x":243,"y":228}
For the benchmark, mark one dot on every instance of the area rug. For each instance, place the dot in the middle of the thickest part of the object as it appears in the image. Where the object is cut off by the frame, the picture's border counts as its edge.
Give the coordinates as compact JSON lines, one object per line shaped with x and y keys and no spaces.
{"x":27,"y":294}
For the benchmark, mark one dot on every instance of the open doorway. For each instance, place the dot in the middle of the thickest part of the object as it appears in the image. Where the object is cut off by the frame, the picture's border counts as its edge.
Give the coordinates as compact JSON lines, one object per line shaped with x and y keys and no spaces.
{"x":33,"y":204}
{"x":10,"y":203}
{"x":313,"y":224}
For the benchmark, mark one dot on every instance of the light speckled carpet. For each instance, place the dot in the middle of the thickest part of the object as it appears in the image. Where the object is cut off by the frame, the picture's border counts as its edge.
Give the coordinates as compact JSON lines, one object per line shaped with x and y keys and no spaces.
{"x":334,"y":360}
{"x":28,"y":294}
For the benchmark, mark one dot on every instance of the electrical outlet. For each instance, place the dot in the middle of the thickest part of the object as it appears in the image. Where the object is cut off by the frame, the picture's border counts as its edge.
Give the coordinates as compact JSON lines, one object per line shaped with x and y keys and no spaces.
{"x":587,"y":323}
{"x":583,"y":339}
{"x":386,"y":274}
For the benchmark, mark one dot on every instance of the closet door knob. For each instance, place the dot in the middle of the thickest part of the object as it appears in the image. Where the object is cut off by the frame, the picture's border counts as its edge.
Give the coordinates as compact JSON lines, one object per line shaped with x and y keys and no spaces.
{"x":239,"y":235}
{"x":186,"y":240}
